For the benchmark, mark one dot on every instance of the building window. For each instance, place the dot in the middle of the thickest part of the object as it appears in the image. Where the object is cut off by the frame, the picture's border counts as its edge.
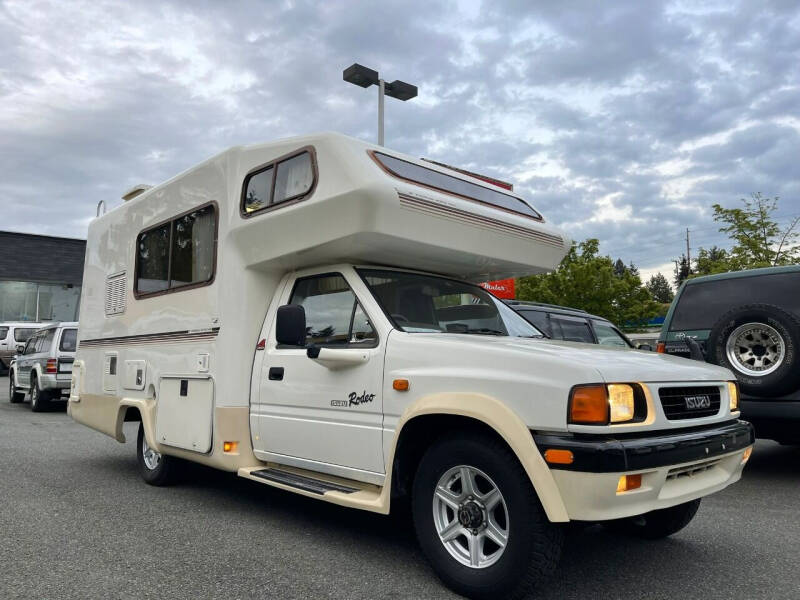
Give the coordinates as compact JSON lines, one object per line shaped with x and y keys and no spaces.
{"x":454,"y":185}
{"x":285,"y":179}
{"x":177,"y":254}
{"x":29,"y":301}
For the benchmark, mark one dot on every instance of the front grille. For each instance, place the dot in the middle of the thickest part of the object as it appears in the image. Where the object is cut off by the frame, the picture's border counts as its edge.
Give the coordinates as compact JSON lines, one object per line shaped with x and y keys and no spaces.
{"x":688,"y":402}
{"x":692,"y":470}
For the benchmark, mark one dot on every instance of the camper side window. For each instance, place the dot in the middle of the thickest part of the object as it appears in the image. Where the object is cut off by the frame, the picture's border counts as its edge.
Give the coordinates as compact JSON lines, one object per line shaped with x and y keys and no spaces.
{"x":177,"y":254}
{"x":288,"y":178}
{"x":333,"y":315}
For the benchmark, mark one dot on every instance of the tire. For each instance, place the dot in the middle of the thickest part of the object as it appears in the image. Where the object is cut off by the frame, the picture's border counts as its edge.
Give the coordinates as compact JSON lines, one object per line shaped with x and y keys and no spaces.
{"x":780,"y":375}
{"x":533,"y":544}
{"x":40,"y":399}
{"x":658,"y":524}
{"x":163,"y":472}
{"x":13,"y":395}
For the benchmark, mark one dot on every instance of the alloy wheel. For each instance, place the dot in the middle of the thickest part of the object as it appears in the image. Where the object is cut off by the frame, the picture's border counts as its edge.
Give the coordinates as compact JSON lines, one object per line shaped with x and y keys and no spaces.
{"x":755,"y":349}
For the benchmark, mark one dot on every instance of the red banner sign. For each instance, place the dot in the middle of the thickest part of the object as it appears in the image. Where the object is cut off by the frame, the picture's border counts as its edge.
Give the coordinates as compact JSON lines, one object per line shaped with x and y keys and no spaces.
{"x":503,"y":288}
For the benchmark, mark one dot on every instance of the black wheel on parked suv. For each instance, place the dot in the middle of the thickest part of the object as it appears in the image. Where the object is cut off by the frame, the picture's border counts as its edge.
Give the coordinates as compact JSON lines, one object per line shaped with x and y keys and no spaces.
{"x":478,"y":519}
{"x":658,"y":524}
{"x":40,"y":399}
{"x":13,"y":395}
{"x":760,"y":344}
{"x":156,"y":469}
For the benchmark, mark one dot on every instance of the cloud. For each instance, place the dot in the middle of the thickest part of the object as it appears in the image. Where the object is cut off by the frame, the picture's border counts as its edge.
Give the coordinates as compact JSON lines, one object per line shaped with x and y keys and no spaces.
{"x":622,"y":121}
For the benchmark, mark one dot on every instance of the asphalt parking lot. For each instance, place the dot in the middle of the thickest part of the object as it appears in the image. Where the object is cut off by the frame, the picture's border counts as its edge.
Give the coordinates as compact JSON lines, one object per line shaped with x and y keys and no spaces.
{"x":76,"y":521}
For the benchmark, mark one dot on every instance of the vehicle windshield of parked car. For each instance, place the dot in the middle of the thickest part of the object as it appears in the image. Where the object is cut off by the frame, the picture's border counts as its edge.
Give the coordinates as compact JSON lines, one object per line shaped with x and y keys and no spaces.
{"x":428,"y":304}
{"x":607,"y":335}
{"x":23,"y":334}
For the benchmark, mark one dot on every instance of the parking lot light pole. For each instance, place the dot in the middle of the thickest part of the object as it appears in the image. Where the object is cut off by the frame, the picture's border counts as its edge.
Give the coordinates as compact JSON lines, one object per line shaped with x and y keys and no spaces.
{"x":364,"y":77}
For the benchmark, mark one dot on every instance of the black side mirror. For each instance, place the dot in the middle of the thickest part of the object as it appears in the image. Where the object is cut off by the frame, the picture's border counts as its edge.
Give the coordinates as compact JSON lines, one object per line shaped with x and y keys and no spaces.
{"x":647,"y":347}
{"x":695,"y":351}
{"x":290,"y":327}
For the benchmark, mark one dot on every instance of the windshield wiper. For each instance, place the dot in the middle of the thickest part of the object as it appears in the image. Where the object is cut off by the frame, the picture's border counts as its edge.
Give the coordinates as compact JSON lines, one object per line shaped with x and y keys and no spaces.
{"x":486,"y":331}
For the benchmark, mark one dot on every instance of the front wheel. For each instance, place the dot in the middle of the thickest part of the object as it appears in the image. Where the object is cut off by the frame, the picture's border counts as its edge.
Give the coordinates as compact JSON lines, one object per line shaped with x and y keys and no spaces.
{"x":155,"y":468}
{"x":661,"y":523}
{"x":13,"y":395}
{"x":478,"y":519}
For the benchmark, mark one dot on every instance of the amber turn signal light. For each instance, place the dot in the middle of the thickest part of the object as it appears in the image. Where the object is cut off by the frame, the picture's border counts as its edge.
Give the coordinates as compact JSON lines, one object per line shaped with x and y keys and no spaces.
{"x":401,"y":385}
{"x":230,"y":447}
{"x":629,"y":482}
{"x":557,"y":456}
{"x":588,"y":405}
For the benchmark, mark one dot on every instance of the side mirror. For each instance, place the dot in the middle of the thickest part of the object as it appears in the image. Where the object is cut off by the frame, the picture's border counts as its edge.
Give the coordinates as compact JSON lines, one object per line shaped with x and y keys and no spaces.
{"x":647,"y":347}
{"x":290,"y":326}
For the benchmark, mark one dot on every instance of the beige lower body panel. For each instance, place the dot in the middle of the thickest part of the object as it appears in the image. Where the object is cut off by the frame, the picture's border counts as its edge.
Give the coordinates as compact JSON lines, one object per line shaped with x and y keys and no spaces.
{"x":594,"y":496}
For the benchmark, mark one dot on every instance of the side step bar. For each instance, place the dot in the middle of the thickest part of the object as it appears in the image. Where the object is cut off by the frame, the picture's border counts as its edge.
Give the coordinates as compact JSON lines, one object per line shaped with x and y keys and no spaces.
{"x":301,"y":482}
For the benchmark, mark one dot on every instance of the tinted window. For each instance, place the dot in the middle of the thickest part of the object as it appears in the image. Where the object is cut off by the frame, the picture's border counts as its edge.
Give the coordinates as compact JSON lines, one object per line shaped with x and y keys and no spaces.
{"x":448,"y":183}
{"x":333,"y":316}
{"x":192,"y":248}
{"x":538,"y":318}
{"x":571,"y":330}
{"x":607,"y":335}
{"x":700,"y":305}
{"x":45,"y":340}
{"x":23,"y":334}
{"x":30,"y":345}
{"x":3,"y":332}
{"x":177,"y":253}
{"x":153,"y":260}
{"x":283,"y":180}
{"x":69,"y":340}
{"x":259,"y":190}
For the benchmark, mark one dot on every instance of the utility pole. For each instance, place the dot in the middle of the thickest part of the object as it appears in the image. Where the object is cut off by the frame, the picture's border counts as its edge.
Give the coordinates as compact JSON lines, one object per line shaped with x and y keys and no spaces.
{"x":688,"y":254}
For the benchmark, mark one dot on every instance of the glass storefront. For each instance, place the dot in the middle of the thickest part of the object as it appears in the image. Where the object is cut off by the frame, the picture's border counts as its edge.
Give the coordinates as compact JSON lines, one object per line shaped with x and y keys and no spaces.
{"x":26,"y":301}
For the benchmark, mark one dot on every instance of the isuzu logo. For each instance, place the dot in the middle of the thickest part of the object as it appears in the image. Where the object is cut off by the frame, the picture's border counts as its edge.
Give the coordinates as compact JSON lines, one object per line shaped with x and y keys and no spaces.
{"x":697,"y":402}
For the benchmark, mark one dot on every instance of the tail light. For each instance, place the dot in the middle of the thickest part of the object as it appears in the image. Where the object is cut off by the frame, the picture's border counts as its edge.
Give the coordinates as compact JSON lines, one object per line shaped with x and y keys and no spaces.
{"x":661,"y":348}
{"x":51,"y":366}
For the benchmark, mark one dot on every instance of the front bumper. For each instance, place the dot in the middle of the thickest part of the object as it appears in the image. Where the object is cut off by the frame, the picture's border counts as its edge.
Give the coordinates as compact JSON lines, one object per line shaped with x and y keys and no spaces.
{"x":675,"y":468}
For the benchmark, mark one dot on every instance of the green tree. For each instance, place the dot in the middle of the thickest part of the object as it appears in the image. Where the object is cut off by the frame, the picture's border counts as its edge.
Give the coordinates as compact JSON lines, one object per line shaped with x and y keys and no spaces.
{"x":659,"y":289}
{"x":758,"y":239}
{"x":712,"y":260}
{"x":589,"y":281}
{"x":681,"y":271}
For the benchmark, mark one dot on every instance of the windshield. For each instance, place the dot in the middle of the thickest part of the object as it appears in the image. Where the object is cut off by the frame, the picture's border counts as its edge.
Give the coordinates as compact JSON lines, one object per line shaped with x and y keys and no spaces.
{"x":429,"y":304}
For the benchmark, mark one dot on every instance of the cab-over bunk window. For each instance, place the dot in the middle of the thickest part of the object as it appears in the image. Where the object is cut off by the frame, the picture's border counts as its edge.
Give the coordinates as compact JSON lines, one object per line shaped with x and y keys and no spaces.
{"x":289,"y":178}
{"x":454,"y":185}
{"x":178,"y":254}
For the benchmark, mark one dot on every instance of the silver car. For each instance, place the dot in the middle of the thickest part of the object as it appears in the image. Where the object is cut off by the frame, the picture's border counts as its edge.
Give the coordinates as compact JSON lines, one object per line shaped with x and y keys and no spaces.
{"x":44,"y":368}
{"x":12,"y":339}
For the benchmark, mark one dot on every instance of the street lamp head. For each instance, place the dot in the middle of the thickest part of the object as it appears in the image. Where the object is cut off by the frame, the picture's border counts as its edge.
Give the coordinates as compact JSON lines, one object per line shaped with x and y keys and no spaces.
{"x":401,"y":90}
{"x":362,"y":76}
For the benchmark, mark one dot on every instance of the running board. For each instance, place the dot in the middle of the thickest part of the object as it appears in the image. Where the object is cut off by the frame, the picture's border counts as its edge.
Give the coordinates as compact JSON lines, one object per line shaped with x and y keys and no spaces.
{"x":337,"y":490}
{"x":301,"y":482}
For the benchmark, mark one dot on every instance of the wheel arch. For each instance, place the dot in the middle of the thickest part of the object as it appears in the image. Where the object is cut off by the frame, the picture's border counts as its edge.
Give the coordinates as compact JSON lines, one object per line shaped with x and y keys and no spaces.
{"x":480,"y":414}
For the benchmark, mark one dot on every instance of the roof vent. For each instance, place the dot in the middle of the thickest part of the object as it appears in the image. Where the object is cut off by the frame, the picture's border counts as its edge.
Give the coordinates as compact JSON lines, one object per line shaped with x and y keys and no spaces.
{"x":135,"y":191}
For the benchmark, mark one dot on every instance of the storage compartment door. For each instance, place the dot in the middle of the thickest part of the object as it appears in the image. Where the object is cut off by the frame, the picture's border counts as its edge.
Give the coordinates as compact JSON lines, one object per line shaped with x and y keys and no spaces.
{"x":185,"y":412}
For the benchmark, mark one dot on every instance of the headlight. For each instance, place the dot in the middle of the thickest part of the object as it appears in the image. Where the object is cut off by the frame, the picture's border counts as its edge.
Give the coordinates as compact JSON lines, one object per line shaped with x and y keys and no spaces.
{"x":600,"y":404}
{"x":733,"y":395}
{"x":621,"y":402}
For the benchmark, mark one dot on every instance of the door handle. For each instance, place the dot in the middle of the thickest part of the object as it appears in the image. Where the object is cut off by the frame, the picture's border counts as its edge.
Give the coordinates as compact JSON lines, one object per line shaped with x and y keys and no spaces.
{"x":276,"y":373}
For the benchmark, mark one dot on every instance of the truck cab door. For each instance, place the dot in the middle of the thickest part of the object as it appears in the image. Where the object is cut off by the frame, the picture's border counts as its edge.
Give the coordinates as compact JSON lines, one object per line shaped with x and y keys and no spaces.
{"x":315,"y":415}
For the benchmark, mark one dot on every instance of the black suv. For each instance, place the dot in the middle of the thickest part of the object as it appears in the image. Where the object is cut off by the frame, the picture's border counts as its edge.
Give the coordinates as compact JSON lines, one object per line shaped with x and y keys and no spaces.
{"x":570,"y":324}
{"x":748,"y":321}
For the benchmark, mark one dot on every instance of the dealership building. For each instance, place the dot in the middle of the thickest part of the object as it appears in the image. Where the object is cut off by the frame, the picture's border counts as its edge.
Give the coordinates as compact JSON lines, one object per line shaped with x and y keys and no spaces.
{"x":40,"y":277}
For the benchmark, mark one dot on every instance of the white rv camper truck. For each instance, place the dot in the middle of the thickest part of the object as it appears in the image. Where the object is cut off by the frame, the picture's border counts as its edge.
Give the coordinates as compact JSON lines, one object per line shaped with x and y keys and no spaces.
{"x":301,"y":313}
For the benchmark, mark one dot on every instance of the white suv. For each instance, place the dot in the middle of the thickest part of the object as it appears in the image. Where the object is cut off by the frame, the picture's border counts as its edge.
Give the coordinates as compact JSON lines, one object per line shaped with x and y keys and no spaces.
{"x":44,"y":368}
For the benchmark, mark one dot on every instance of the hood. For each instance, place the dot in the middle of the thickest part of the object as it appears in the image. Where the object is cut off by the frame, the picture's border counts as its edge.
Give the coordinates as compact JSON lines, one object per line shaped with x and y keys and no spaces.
{"x":613,"y":364}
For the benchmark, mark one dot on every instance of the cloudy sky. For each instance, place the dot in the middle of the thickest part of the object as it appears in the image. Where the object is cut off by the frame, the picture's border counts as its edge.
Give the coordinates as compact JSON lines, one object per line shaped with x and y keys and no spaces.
{"x":619,"y":120}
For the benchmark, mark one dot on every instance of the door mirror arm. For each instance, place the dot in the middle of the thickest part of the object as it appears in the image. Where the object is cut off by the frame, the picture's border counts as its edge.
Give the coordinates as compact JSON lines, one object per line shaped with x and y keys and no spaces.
{"x":312,"y":351}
